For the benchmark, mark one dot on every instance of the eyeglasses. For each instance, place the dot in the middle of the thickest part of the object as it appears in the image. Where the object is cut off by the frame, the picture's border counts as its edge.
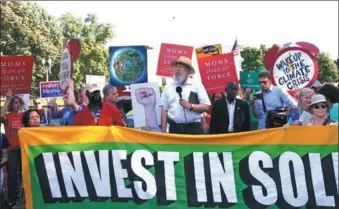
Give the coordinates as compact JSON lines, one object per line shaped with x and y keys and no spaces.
{"x":323,"y":106}
{"x":262,"y":82}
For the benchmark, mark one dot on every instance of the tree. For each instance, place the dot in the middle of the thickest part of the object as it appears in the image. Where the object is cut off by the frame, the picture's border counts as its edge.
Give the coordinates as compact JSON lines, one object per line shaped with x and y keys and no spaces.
{"x":93,"y":35}
{"x":27,"y":29}
{"x":328,"y":71}
{"x":253,"y":58}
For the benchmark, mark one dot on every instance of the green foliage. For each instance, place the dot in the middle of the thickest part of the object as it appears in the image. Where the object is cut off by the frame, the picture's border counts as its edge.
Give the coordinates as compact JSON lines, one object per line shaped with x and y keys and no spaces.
{"x":26,"y":29}
{"x":328,"y":70}
{"x":253,"y":58}
{"x":93,"y":35}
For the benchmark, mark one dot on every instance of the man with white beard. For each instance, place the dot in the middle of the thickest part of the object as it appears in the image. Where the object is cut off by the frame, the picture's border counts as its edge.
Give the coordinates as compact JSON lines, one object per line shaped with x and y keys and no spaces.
{"x":183,"y":102}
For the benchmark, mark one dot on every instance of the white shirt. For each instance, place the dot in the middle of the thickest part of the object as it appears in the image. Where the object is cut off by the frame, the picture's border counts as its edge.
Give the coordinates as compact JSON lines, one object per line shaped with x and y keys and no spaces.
{"x":170,"y":101}
{"x":230,"y":108}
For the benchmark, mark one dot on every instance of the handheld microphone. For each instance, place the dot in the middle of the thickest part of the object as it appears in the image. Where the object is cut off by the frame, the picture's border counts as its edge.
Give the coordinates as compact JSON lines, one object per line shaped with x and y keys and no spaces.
{"x":179,"y":90}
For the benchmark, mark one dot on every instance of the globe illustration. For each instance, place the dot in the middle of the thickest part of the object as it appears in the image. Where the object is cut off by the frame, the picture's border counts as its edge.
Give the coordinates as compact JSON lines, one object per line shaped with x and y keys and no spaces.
{"x":128,"y":65}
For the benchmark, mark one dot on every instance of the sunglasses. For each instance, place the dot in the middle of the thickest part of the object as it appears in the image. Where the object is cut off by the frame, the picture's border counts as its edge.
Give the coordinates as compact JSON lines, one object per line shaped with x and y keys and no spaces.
{"x":323,"y":106}
{"x":262,"y":82}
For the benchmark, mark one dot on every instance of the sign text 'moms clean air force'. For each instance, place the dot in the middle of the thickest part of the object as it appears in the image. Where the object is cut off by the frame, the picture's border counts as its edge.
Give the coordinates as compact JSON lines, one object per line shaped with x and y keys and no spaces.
{"x":105,"y":167}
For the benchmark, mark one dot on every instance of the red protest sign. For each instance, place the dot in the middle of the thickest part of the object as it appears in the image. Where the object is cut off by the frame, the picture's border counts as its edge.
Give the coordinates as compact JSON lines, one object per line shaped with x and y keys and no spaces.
{"x":216,"y":71}
{"x":16,"y":74}
{"x":168,"y":54}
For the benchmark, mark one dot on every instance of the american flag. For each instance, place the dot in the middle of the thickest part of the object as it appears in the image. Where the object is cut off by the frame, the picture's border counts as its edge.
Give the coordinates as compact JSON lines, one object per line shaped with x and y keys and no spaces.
{"x":235,"y":48}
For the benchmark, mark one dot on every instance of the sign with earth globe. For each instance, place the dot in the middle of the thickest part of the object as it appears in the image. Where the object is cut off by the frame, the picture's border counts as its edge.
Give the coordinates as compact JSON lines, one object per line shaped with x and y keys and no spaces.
{"x":127,"y":65}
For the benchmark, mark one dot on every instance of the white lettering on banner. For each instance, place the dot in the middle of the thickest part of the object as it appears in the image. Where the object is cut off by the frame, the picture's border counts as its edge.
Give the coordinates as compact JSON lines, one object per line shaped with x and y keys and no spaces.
{"x":176,"y":51}
{"x":335,"y":162}
{"x":286,"y":181}
{"x":318,"y":182}
{"x":13,"y":64}
{"x":73,"y":174}
{"x":100,"y":180}
{"x":267,"y":182}
{"x":52,"y":175}
{"x":143,"y":173}
{"x":216,"y":62}
{"x":121,"y":174}
{"x":290,"y":161}
{"x":222,"y":175}
{"x":199,"y":173}
{"x":169,"y":158}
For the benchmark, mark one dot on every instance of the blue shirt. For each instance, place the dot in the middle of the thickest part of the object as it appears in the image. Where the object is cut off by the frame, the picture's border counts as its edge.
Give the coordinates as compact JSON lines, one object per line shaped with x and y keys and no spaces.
{"x":275,"y":97}
{"x":65,"y":115}
{"x":334,"y":112}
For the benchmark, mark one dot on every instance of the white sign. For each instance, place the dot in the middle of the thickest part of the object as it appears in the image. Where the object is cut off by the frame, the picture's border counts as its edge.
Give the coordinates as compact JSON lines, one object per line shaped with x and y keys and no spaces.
{"x":295,"y":69}
{"x":98,"y":80}
{"x":65,"y":68}
{"x":146,"y":106}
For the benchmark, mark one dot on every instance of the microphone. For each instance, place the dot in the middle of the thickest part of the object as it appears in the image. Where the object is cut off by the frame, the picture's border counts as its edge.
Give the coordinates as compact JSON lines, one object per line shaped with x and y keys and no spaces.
{"x":179,"y":90}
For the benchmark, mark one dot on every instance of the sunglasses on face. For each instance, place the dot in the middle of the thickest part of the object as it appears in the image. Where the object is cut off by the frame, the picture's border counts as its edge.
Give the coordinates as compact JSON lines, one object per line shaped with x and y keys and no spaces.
{"x":323,"y":106}
{"x":263,"y":82}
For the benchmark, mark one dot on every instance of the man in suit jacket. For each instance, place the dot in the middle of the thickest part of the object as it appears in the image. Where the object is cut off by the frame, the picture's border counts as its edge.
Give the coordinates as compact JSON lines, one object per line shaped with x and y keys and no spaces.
{"x":230,"y":115}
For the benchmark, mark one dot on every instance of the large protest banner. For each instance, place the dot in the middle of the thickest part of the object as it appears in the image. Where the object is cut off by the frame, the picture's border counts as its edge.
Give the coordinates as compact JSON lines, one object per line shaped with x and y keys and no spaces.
{"x":114,"y":167}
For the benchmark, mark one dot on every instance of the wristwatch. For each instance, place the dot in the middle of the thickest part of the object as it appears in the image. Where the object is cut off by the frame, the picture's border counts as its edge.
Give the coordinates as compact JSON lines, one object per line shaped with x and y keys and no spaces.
{"x":192,"y":105}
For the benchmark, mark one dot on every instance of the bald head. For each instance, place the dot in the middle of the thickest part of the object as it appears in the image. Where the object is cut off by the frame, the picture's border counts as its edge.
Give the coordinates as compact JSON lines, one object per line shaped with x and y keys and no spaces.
{"x":231,"y":90}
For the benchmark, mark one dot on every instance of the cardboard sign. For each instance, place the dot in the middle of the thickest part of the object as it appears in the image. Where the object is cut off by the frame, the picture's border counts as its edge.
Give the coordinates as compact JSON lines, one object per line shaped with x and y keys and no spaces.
{"x":295,"y":68}
{"x":50,"y":89}
{"x":249,"y":80}
{"x":65,"y":68}
{"x":146,"y":106}
{"x":216,"y":71}
{"x":168,"y":54}
{"x":16,"y":74}
{"x":127,"y":65}
{"x":99,"y":80}
{"x":207,"y":51}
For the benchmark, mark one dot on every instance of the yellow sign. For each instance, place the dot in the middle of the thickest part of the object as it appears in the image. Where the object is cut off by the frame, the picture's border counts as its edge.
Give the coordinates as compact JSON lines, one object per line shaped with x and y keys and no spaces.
{"x":207,"y":51}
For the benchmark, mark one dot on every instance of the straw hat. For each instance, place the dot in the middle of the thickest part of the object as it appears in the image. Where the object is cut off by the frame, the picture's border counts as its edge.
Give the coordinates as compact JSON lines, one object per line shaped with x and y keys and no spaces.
{"x":319,"y":98}
{"x":185,"y":61}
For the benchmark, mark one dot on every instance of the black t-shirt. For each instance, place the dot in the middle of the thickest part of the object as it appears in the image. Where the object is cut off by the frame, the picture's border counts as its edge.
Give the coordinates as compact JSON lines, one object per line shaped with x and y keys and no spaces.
{"x":4,"y":144}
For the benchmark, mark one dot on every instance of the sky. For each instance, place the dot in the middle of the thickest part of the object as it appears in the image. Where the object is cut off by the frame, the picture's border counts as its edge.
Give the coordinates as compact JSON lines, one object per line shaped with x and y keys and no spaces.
{"x":210,"y":22}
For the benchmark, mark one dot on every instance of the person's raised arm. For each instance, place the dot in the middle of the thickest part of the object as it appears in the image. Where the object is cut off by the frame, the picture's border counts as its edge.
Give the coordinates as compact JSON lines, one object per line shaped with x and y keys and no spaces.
{"x":4,"y":109}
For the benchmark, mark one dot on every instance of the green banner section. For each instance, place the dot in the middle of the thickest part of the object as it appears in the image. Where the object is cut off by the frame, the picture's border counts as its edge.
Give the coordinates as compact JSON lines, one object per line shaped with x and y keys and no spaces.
{"x":180,"y":176}
{"x":249,"y":80}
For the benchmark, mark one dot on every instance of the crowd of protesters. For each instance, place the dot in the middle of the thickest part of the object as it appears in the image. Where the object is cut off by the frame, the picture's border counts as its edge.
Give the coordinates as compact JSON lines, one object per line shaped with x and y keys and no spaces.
{"x":185,"y":107}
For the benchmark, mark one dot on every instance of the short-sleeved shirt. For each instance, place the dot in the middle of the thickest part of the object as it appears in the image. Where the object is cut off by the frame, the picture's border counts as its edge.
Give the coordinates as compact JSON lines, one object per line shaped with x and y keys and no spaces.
{"x":274,"y":98}
{"x":64,"y":116}
{"x":170,"y":101}
{"x":12,"y":123}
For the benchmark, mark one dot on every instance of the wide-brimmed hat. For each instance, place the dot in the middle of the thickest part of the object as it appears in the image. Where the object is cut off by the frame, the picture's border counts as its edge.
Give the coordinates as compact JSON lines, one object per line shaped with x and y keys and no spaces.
{"x":185,"y":61}
{"x":319,"y":98}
